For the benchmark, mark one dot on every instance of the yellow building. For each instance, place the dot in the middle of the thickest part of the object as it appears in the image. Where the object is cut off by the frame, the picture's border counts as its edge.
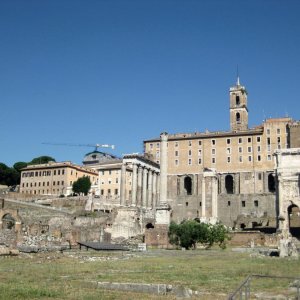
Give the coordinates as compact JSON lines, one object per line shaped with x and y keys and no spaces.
{"x":54,"y":178}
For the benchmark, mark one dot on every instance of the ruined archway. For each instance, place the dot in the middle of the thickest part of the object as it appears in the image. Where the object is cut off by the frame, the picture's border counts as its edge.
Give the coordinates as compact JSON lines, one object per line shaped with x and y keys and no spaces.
{"x":8,"y":222}
{"x":294,"y":220}
{"x":188,"y":185}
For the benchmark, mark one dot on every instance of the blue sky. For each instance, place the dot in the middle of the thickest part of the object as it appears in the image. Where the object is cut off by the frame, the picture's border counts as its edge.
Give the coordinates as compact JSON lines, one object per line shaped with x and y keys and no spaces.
{"x":120,"y":72}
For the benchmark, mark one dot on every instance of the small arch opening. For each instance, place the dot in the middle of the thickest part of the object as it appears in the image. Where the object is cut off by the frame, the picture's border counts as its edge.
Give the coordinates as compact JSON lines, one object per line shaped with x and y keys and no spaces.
{"x":188,"y":185}
{"x":271,"y":183}
{"x":294,"y":220}
{"x":229,"y":184}
{"x":237,"y":100}
{"x":238,"y":117}
{"x":149,"y":226}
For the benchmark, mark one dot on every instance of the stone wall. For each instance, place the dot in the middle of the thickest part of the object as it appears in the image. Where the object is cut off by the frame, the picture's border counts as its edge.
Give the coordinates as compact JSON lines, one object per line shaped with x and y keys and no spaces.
{"x":43,"y":228}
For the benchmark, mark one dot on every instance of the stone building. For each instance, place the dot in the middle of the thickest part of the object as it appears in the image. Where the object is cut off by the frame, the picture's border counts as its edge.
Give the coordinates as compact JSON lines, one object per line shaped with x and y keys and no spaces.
{"x":226,"y":175}
{"x":54,"y":178}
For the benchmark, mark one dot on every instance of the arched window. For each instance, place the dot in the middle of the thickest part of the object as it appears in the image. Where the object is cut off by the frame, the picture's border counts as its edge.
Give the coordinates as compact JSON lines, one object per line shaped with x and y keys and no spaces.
{"x":238,"y":117}
{"x":229,"y":184}
{"x":237,"y":100}
{"x":188,"y":185}
{"x":271,"y":183}
{"x":8,"y":222}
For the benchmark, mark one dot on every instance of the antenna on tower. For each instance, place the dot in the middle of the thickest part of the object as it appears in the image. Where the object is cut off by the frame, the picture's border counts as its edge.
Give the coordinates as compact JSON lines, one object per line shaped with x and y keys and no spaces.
{"x":237,"y":75}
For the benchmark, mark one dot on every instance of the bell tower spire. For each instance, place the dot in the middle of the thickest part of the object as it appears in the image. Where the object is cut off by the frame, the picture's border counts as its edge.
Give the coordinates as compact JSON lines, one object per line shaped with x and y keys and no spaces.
{"x":238,"y":107}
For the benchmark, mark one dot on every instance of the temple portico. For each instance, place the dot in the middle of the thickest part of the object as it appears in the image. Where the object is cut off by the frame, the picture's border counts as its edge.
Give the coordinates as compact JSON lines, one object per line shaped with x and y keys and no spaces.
{"x":144,"y":189}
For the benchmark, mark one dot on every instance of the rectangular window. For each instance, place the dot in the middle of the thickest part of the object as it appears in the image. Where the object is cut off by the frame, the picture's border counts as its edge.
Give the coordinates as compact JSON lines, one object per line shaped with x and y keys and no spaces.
{"x":258,"y":139}
{"x":213,"y":160}
{"x":116,"y":191}
{"x":269,"y":157}
{"x":57,"y":182}
{"x":190,"y":143}
{"x":109,"y":172}
{"x":228,"y":150}
{"x":259,"y":176}
{"x":108,"y":191}
{"x":258,"y":157}
{"x":103,"y":172}
{"x":268,"y":131}
{"x":249,"y":139}
{"x":258,"y":149}
{"x":256,"y":203}
{"x":243,"y":203}
{"x":63,"y":171}
{"x":62,"y":183}
{"x":240,"y":149}
{"x":199,"y":152}
{"x":157,"y":154}
{"x":250,"y":158}
{"x":190,"y":161}
{"x":278,"y":130}
{"x":102,"y":192}
{"x":190,"y":152}
{"x":240,"y":158}
{"x":213,"y":142}
{"x":176,"y":144}
{"x":228,"y":141}
{"x":200,"y":143}
{"x":117,"y":180}
{"x":176,"y":162}
{"x":213,"y":151}
{"x":54,"y":172}
{"x":58,"y":172}
{"x":228,"y":203}
{"x":199,"y":161}
{"x":228,"y":159}
{"x":240,"y":140}
{"x":36,"y":173}
{"x":53,"y":183}
{"x":249,"y":149}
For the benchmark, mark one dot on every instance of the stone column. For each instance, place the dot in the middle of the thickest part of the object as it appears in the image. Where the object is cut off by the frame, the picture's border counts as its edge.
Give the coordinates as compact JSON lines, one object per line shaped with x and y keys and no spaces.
{"x":163,"y":169}
{"x":157,"y":190}
{"x":150,"y":187}
{"x":139,"y":186}
{"x":144,"y":195}
{"x":214,"y":198}
{"x":154,"y":190}
{"x":134,"y":185}
{"x":283,"y":219}
{"x":203,"y":198}
{"x":123,"y":185}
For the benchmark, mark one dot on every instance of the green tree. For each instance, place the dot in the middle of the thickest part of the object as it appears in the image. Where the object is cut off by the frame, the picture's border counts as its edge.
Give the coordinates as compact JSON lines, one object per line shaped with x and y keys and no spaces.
{"x":41,"y":160}
{"x":189,"y":233}
{"x":82,"y":185}
{"x":20,"y":165}
{"x":8,"y":176}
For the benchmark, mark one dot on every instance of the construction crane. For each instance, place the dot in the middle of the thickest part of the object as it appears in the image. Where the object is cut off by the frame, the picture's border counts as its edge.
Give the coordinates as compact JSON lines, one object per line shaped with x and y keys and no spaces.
{"x":96,"y":146}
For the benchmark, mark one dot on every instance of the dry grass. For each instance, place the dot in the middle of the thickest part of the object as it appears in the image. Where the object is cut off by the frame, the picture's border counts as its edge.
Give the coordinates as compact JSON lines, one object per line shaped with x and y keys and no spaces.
{"x":70,"y":275}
